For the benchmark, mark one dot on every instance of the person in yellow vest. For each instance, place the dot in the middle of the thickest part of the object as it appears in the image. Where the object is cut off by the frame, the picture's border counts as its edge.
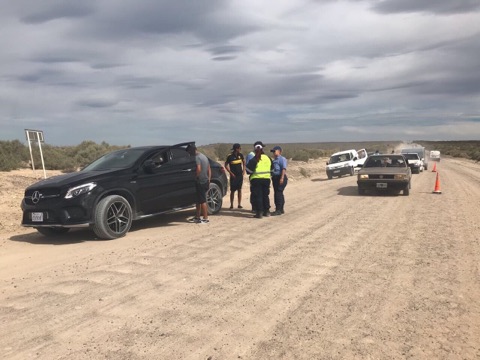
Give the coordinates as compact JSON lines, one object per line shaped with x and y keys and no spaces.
{"x":261,"y":167}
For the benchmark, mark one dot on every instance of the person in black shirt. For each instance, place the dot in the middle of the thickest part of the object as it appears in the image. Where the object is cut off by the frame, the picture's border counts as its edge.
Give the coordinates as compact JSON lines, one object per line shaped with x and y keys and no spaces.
{"x":235,"y":165}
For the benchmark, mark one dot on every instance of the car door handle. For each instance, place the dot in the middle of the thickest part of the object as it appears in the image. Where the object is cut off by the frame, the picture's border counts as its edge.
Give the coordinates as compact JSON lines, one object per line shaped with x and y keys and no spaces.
{"x":187,"y":170}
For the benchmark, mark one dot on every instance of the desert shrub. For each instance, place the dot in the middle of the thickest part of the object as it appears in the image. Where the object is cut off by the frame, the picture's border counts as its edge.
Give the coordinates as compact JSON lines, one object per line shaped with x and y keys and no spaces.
{"x":222,"y":151}
{"x":304,"y":172}
{"x":13,"y":155}
{"x":208,"y":151}
{"x":464,"y":149}
{"x":8,"y":163}
{"x":300,"y":155}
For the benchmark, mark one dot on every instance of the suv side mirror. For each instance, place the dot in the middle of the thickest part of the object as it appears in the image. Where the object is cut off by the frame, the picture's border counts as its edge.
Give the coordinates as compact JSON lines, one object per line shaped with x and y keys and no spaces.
{"x":327,"y":162}
{"x":355,"y":158}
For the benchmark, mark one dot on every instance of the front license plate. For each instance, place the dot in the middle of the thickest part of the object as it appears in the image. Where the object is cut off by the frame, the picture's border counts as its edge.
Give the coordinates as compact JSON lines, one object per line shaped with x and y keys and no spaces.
{"x":37,"y":216}
{"x":381,"y":185}
{"x":336,"y":171}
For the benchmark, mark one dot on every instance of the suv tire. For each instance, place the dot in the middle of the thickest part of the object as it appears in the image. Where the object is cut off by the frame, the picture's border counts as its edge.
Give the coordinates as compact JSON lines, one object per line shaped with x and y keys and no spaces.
{"x":113,"y":217}
{"x":214,"y":199}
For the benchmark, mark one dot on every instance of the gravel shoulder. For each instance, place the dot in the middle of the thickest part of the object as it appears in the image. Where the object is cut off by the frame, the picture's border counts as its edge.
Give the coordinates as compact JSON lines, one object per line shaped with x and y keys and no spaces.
{"x":338,"y":276}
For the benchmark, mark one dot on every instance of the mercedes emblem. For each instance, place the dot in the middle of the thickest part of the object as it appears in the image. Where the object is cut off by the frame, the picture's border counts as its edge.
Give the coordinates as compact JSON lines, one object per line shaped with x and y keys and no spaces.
{"x":36,"y":196}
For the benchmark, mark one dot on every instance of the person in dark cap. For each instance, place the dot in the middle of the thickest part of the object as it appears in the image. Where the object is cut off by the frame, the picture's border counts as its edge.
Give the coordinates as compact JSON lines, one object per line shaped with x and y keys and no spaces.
{"x":279,"y":180}
{"x":235,"y":165}
{"x":261,"y":167}
{"x":203,"y":174}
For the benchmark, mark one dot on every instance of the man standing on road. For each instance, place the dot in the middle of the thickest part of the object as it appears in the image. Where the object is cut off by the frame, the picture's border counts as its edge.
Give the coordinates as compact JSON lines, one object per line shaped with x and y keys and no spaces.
{"x":261,"y":165}
{"x":250,"y":156}
{"x":203,"y":175}
{"x":279,"y":179}
{"x":235,"y":165}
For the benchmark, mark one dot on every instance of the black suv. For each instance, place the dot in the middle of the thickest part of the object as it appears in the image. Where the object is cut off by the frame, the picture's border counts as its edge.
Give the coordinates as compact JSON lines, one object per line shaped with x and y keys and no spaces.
{"x":117,"y":188}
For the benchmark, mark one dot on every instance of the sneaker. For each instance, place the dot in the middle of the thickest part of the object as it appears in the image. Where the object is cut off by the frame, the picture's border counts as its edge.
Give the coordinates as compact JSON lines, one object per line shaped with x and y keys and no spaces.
{"x":194,"y":220}
{"x":240,"y":206}
{"x":204,"y":221}
{"x":231,"y":207}
{"x":258,"y":216}
{"x":266,"y":213}
{"x":276,"y":212}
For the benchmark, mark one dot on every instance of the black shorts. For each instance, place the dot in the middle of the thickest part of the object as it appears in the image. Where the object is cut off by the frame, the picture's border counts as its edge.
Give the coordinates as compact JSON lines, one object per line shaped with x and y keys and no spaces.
{"x":201,"y":192}
{"x":236,"y":182}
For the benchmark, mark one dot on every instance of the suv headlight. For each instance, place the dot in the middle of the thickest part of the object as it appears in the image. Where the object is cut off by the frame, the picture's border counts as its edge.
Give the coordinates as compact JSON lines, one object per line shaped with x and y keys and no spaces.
{"x":79,"y":190}
{"x":400,"y":176}
{"x":363,"y":176}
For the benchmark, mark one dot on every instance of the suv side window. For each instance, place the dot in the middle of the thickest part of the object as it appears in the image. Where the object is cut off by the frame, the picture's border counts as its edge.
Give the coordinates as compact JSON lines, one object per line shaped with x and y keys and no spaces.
{"x":178,"y":155}
{"x":159,"y":159}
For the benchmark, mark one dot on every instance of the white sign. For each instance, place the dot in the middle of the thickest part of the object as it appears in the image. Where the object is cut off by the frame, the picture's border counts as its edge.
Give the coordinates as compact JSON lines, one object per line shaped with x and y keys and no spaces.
{"x":37,"y":136}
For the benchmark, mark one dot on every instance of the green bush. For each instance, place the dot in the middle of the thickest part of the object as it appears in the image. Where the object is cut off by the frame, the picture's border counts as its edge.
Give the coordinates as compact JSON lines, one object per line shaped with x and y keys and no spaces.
{"x":300,"y":155}
{"x":13,"y":155}
{"x":222,"y":151}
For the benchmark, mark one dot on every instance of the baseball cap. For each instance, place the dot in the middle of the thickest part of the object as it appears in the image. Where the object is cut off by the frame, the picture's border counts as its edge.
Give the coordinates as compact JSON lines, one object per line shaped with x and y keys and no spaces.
{"x":258,"y":145}
{"x":276,"y":148}
{"x":236,"y":146}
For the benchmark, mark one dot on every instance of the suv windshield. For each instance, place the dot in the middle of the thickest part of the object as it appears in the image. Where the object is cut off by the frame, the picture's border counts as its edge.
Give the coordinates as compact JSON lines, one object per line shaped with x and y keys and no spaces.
{"x":117,"y":160}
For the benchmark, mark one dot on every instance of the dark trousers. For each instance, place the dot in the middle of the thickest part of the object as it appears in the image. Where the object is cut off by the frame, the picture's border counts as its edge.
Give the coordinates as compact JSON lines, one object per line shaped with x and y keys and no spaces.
{"x":260,"y":194}
{"x":278,"y":188}
{"x":253,"y":201}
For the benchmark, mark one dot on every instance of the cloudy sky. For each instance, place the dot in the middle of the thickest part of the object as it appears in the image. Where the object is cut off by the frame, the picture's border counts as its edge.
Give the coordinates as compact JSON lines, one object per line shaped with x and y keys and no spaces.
{"x":166,"y":71}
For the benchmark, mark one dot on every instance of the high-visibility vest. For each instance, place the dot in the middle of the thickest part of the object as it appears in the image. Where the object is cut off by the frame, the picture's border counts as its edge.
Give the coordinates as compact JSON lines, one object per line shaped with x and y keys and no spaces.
{"x":263,"y":169}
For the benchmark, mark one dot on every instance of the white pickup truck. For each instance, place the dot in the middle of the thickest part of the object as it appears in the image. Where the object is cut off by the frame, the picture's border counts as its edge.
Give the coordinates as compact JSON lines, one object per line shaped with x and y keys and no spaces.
{"x":345,"y":162}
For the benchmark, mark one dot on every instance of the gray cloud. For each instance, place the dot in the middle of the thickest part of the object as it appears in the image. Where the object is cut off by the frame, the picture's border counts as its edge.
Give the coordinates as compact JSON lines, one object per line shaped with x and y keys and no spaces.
{"x":155,"y":71}
{"x":430,"y":6}
{"x":48,"y":10}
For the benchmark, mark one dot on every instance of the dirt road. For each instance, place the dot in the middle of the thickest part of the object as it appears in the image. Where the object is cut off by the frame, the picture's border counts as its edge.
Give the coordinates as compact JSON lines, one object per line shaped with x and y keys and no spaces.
{"x":339,"y":276}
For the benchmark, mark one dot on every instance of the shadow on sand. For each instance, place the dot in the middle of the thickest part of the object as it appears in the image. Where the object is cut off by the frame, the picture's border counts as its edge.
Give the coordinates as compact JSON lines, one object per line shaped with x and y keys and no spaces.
{"x":75,"y":236}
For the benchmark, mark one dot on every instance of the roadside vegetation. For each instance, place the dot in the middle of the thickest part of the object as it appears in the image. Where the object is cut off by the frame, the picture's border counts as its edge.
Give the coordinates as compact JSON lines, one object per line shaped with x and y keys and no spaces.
{"x":462,"y":149}
{"x":16,"y":155}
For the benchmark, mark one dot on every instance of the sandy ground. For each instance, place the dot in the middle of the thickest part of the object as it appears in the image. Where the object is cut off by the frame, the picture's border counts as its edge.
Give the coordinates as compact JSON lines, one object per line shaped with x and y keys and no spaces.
{"x":339,"y":276}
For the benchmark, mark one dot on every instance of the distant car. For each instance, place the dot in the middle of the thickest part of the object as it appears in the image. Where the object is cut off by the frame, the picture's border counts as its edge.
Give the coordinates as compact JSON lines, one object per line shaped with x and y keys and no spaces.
{"x":117,"y":188}
{"x":385,"y":172}
{"x":414,"y":162}
{"x":420,"y":150}
{"x":435,"y":155}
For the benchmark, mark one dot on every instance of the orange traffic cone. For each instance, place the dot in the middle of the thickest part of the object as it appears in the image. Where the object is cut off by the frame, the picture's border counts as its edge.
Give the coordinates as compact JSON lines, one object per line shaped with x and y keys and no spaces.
{"x":437,"y":186}
{"x":434,"y":167}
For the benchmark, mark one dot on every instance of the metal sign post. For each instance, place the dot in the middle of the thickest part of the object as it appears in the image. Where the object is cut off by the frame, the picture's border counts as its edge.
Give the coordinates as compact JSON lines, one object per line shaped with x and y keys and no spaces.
{"x":36,"y":135}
